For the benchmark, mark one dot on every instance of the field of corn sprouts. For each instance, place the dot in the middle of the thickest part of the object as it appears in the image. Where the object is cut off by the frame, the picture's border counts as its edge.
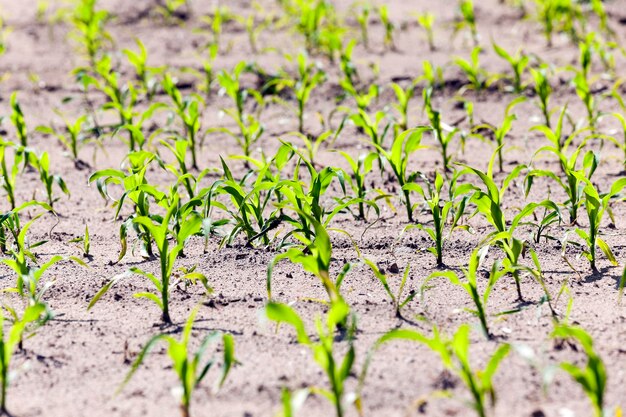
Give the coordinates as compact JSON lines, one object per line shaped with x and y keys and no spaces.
{"x":312,"y":208}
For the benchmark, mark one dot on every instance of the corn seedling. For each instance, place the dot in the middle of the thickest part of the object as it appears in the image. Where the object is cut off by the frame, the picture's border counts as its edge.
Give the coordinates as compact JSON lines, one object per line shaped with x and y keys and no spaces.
{"x":292,"y":402}
{"x":477,"y":77}
{"x":17,"y":118}
{"x":28,"y":273}
{"x":489,"y":205}
{"x":403,"y":96}
{"x":161,"y":234}
{"x":250,"y":127}
{"x":442,"y":132}
{"x":190,"y":366}
{"x":388,"y":26}
{"x":596,"y":205}
{"x":518,"y":63}
{"x":403,"y":146}
{"x":360,"y":167}
{"x":560,"y":16}
{"x":468,"y":20}
{"x":427,"y":22}
{"x":89,"y":29}
{"x":398,"y":300}
{"x":363,"y":98}
{"x":85,"y":241}
{"x":310,"y":76}
{"x":10,"y":227}
{"x":376,"y":128}
{"x":543,"y":90}
{"x":73,"y":137}
{"x":42,"y":165}
{"x":433,"y":75}
{"x":181,"y":171}
{"x":137,"y":190}
{"x":592,"y":376}
{"x":469,"y":283}
{"x":215,"y":22}
{"x":337,"y":370}
{"x":440,"y":211}
{"x":144,"y":73}
{"x":454,"y":355}
{"x":189,"y":112}
{"x":173,"y":9}
{"x":250,"y":205}
{"x":572,"y":184}
{"x":306,"y":200}
{"x":582,"y":84}
{"x":500,"y":132}
{"x":314,"y":255}
{"x":363,"y":18}
{"x":10,"y":338}
{"x":10,"y":172}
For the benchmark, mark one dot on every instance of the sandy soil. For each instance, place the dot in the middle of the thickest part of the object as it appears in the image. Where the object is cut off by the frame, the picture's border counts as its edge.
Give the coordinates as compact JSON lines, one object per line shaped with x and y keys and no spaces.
{"x":74,"y":364}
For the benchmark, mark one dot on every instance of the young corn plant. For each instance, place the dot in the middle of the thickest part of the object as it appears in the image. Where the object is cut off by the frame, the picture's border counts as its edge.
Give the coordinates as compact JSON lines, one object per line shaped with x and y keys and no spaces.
{"x":442,"y":132}
{"x":454,"y":355}
{"x":314,"y":255}
{"x":403,"y":96}
{"x":190,"y":114}
{"x":596,"y":205}
{"x":190,"y":366}
{"x":215,"y":22}
{"x":469,"y":283}
{"x":543,"y":90}
{"x":403,"y":146}
{"x":255,"y":26}
{"x":432,"y":75}
{"x":121,"y":98}
{"x":363,"y":19}
{"x":323,"y":349}
{"x":305,"y":201}
{"x":582,"y":84}
{"x":161,"y":234}
{"x":467,"y":20}
{"x":10,"y":338}
{"x":592,"y":376}
{"x":360,"y":167}
{"x":571,"y":184}
{"x":11,"y":158}
{"x":249,"y":215}
{"x":250,"y":127}
{"x":427,"y":22}
{"x":136,"y":190}
{"x":85,"y":242}
{"x":376,"y":128}
{"x":180,"y":170}
{"x":28,"y":273}
{"x":500,"y":132}
{"x":73,"y":137}
{"x":518,"y":62}
{"x":11,"y":227}
{"x":363,"y":97}
{"x":173,"y":10}
{"x":398,"y":300}
{"x":17,"y":118}
{"x":42,"y":165}
{"x":89,"y":29}
{"x":477,"y":77}
{"x":310,"y":76}
{"x":388,"y":26}
{"x":440,"y":210}
{"x":489,"y":204}
{"x":145,"y":74}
